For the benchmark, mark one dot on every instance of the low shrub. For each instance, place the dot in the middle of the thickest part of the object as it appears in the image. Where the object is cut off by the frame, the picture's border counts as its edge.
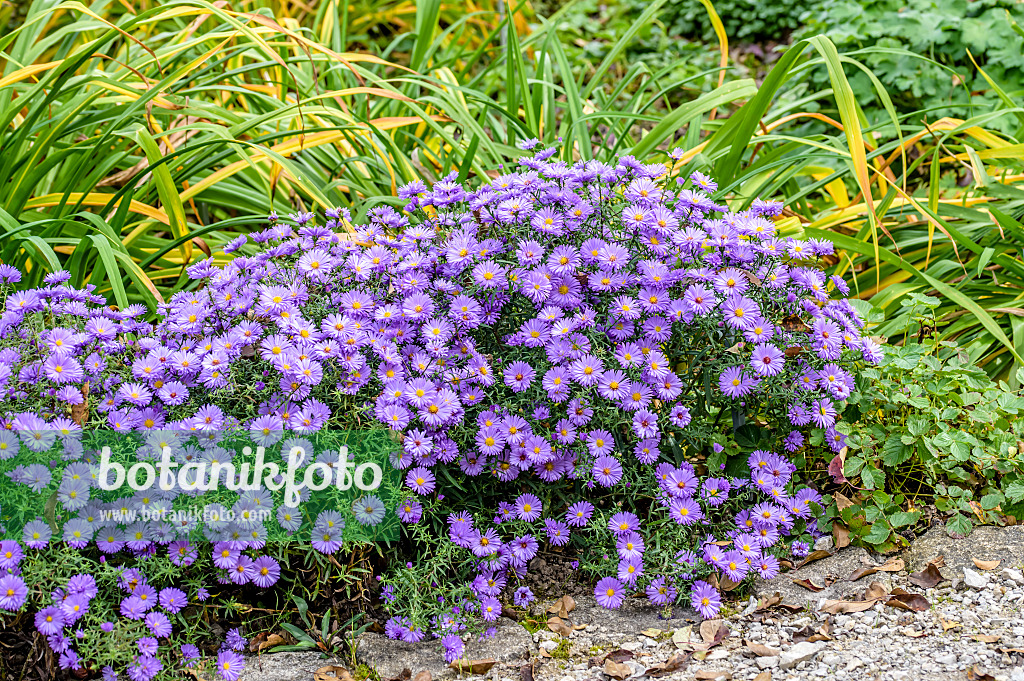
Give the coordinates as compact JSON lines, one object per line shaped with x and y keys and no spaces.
{"x":595,"y":358}
{"x":926,"y":431}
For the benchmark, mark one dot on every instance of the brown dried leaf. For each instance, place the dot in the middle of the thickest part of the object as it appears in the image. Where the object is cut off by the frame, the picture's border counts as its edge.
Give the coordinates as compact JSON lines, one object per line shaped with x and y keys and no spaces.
{"x":710,"y":675}
{"x":616,"y":670}
{"x":875,"y":592}
{"x":718,"y":632}
{"x":677,"y":662}
{"x":332,"y":673}
{"x":619,"y":655}
{"x":986,"y":564}
{"x":726,"y":584}
{"x":908,"y":601}
{"x":813,"y":556}
{"x":422,"y":676}
{"x":558,"y":626}
{"x":769,"y":602}
{"x":915,"y":634}
{"x":840,"y":607}
{"x":271,"y":641}
{"x":80,"y":412}
{"x":526,"y":672}
{"x":1018,"y":651}
{"x":926,"y":578}
{"x":840,"y":535}
{"x":804,"y":634}
{"x":760,"y":650}
{"x":808,"y":584}
{"x":652,"y":633}
{"x":948,"y":624}
{"x":976,"y":673}
{"x":986,"y":638}
{"x":842,"y":501}
{"x":562,"y":607}
{"x":891,"y":565}
{"x":835,"y":467}
{"x":254,"y":643}
{"x":862,"y":572}
{"x":473,"y":666}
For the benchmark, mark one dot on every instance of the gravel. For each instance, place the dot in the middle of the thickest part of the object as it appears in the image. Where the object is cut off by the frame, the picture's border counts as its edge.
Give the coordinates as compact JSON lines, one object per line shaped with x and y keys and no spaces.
{"x":973,"y":624}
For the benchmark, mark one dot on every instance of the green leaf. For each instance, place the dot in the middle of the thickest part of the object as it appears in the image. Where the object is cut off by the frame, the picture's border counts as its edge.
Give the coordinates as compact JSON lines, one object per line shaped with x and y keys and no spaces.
{"x":894,"y":451}
{"x":959,"y":525}
{"x":878,"y":535}
{"x":904,"y":518}
{"x":991,"y":501}
{"x":872,"y":477}
{"x":1015,"y":491}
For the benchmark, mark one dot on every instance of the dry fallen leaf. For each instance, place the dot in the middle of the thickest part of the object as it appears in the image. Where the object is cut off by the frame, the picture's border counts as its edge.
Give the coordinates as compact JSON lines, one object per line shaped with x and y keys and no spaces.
{"x":677,"y":662}
{"x":711,"y":675}
{"x":726,"y":584}
{"x":473,"y":666}
{"x":811,"y":635}
{"x":681,"y":637}
{"x":840,"y":536}
{"x":713,"y":631}
{"x":422,"y":676}
{"x":619,"y":655}
{"x":986,"y":638}
{"x":557,"y":625}
{"x":841,"y":501}
{"x":271,"y":641}
{"x":948,"y":624}
{"x":986,"y":564}
{"x":813,"y":556}
{"x":976,"y":673}
{"x":652,"y":633}
{"x":808,"y":584}
{"x":841,"y":607}
{"x":616,"y":670}
{"x":908,"y":601}
{"x":760,"y":650}
{"x":526,"y":672}
{"x":332,"y":673}
{"x":875,"y":591}
{"x":926,"y":578}
{"x":914,"y":634}
{"x":891,"y":565}
{"x":562,"y":607}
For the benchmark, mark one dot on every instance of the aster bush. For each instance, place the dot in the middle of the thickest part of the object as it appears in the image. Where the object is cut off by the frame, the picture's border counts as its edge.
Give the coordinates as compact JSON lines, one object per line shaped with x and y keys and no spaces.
{"x":592,"y":358}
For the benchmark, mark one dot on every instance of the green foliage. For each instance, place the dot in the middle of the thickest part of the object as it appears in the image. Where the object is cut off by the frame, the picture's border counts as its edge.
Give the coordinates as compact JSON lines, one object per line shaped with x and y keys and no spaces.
{"x":745,"y":20}
{"x":919,"y":49}
{"x":927,"y":427}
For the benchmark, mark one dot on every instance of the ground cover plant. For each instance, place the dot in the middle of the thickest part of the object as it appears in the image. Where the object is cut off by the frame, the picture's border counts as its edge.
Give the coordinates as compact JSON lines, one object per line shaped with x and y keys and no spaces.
{"x":627,"y":355}
{"x":928,"y":436}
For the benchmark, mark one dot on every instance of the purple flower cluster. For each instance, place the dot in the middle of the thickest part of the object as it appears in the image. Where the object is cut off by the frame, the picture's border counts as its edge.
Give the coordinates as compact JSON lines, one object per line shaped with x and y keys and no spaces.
{"x":564,"y":326}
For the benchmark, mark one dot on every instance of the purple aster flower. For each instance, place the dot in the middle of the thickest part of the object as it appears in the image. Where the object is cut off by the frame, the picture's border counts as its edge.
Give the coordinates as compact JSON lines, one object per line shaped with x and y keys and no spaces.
{"x":705,"y":599}
{"x":420,"y":480}
{"x":607,"y":470}
{"x":230,"y":665}
{"x":610,"y":593}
